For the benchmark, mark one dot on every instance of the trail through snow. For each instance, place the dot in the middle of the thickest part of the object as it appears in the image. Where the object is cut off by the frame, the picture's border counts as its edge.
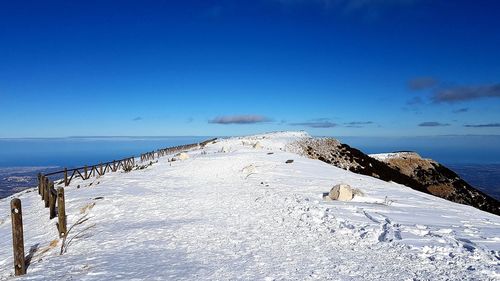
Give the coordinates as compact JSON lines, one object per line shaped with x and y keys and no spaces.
{"x":237,"y":211}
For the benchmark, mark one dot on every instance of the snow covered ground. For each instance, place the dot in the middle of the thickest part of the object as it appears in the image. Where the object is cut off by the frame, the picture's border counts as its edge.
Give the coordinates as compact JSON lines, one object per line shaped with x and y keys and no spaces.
{"x":234,"y":211}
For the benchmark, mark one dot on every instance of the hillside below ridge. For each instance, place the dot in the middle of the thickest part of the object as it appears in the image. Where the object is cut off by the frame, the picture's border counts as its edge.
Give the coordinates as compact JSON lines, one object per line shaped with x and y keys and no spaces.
{"x":407,"y":168}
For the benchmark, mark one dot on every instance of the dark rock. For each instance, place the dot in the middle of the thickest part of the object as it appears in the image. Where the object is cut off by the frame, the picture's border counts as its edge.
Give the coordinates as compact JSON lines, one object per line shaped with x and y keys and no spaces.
{"x":289,"y":161}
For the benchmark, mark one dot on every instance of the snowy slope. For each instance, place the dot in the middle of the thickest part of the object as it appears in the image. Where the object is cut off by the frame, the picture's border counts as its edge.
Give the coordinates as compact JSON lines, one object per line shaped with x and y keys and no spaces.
{"x":233,"y":211}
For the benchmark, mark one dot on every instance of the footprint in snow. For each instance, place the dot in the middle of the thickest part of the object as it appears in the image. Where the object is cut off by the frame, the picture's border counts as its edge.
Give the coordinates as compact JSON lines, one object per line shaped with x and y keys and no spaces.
{"x":467,"y":244}
{"x":388,"y":230}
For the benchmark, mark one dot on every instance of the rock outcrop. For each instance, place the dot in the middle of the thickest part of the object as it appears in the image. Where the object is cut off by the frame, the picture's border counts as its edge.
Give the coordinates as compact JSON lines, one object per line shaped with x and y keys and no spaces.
{"x":406,"y":168}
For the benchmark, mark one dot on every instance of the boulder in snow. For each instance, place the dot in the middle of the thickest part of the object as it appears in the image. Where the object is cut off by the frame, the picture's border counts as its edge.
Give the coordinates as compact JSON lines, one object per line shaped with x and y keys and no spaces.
{"x":180,"y":157}
{"x":250,"y":169}
{"x":257,"y":145}
{"x":341,"y":192}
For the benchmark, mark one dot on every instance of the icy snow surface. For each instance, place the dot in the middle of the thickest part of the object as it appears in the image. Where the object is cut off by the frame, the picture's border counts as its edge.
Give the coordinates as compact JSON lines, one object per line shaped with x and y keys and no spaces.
{"x":234,"y":211}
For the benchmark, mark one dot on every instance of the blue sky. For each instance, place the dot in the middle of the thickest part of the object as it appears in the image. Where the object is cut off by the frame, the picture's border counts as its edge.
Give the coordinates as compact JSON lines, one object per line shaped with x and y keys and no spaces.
{"x":338,"y":67}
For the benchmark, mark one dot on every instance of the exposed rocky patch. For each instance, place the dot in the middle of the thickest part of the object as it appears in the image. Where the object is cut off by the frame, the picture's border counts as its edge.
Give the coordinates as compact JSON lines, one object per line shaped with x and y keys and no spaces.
{"x":406,"y":168}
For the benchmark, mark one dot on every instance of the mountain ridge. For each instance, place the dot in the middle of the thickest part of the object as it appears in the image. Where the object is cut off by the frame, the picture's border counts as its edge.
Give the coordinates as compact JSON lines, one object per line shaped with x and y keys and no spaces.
{"x":404,"y":167}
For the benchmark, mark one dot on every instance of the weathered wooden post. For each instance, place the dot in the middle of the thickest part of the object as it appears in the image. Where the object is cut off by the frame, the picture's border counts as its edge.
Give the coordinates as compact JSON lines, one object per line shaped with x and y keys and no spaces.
{"x":52,"y":200}
{"x":17,"y":236}
{"x":100,"y":169}
{"x":61,"y":212}
{"x":66,"y":183}
{"x":40,"y":183}
{"x":42,"y":188}
{"x":46,"y":191}
{"x":85,"y":169}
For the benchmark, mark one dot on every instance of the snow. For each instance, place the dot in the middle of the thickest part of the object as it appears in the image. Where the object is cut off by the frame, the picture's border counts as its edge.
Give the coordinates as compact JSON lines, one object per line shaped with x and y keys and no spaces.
{"x":391,"y":155}
{"x":235,"y":212}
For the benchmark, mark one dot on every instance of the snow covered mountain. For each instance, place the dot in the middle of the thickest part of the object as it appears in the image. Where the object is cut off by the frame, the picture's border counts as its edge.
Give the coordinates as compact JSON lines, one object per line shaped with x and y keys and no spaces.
{"x":237,"y":209}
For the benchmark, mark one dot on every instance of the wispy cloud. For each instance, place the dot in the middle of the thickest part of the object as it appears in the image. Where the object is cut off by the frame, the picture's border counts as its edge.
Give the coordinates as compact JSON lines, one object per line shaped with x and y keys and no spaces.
{"x":317,"y":123}
{"x":359,"y":123}
{"x":433,"y":124}
{"x":138,"y":118}
{"x":326,"y":124}
{"x":465,"y":93}
{"x":422,"y":83}
{"x":239,"y":119}
{"x":490,"y":125}
{"x":461,"y":110}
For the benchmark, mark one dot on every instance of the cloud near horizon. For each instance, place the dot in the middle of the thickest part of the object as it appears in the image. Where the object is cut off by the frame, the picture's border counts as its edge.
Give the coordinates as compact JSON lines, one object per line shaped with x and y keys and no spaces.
{"x":466,"y":93}
{"x":433,"y":124}
{"x":461,"y":110}
{"x":239,"y":119}
{"x":490,"y":125}
{"x":316,"y":123}
{"x":359,"y":123}
{"x":422,"y":83}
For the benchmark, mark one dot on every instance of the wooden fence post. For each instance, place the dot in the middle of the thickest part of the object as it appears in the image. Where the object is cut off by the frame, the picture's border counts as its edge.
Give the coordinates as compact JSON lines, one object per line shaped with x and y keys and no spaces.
{"x":17,"y":237}
{"x":61,"y":212}
{"x":85,"y":170}
{"x":46,"y":191}
{"x":52,"y":200}
{"x":42,"y":188}
{"x":40,"y":183}
{"x":100,"y":169}
{"x":66,"y":183}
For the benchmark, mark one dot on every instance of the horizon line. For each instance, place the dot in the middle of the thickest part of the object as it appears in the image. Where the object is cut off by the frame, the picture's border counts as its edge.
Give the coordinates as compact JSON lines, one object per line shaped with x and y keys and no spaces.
{"x":223,"y":136}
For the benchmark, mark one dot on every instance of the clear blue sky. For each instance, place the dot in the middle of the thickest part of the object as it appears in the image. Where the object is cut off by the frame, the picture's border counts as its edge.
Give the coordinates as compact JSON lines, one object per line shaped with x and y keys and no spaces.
{"x":339,"y":67}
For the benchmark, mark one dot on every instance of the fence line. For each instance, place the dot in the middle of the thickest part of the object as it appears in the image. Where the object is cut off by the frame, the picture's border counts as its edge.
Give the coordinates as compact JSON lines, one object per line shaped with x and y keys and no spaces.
{"x":126,"y":164}
{"x":55,"y":200}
